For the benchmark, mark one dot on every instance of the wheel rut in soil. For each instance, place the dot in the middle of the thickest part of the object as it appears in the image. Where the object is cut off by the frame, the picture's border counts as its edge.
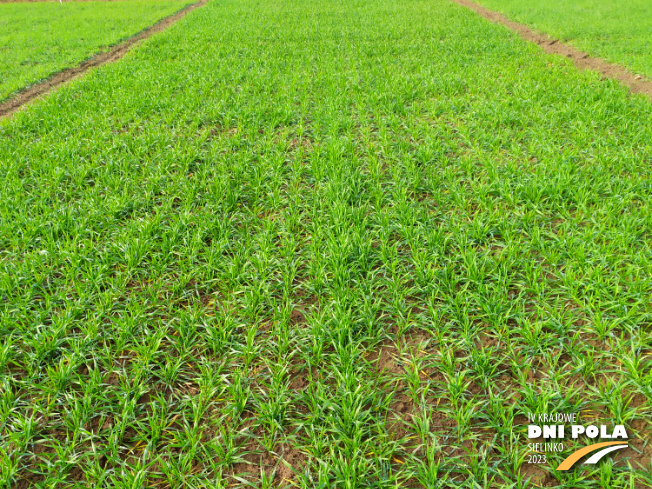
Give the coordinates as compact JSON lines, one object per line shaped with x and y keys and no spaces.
{"x":114,"y":53}
{"x":582,"y":60}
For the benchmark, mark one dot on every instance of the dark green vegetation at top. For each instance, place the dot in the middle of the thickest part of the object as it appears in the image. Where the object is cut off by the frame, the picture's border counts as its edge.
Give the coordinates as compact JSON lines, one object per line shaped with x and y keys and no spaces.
{"x":620,"y":32}
{"x":38,"y":39}
{"x":356,"y":239}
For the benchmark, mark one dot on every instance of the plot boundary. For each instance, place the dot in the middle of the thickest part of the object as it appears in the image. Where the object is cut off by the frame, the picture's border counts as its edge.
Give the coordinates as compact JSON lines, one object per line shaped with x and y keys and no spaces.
{"x":117,"y":51}
{"x":636,"y":83}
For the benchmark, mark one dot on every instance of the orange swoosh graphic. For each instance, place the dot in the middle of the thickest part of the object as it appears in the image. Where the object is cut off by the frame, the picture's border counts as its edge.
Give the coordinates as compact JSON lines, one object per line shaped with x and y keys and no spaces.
{"x":575,"y":456}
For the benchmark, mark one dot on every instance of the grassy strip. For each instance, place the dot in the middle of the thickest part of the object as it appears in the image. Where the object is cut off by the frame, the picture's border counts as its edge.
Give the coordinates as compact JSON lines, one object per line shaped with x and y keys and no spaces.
{"x":619,"y":32}
{"x":343,"y":244}
{"x":38,"y":39}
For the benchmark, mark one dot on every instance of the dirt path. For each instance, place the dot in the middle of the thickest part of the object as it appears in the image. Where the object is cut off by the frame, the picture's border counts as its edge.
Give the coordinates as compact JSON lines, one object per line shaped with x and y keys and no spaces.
{"x":582,"y":60}
{"x":113,"y":54}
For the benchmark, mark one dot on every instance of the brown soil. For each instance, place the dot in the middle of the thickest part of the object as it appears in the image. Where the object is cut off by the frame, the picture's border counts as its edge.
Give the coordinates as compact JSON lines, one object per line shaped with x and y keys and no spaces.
{"x":113,"y":54}
{"x":582,"y":60}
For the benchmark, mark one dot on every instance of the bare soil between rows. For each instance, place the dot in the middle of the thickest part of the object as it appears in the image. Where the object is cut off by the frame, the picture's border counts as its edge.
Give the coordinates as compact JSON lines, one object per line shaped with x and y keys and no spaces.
{"x":582,"y":60}
{"x":113,"y":54}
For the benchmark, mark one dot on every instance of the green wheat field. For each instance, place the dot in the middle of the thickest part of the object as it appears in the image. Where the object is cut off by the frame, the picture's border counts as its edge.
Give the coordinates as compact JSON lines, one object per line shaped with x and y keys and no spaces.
{"x":39,"y":39}
{"x":323,"y":244}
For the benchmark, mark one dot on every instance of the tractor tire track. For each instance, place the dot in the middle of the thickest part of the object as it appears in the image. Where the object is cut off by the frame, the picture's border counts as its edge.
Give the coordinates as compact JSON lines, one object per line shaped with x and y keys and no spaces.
{"x":114,"y":53}
{"x":582,"y":60}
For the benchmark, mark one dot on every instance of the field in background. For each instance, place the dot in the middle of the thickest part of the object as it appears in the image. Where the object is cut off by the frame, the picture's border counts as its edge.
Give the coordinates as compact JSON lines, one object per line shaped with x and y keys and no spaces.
{"x":620,"y":32}
{"x":333,"y":244}
{"x":38,"y":39}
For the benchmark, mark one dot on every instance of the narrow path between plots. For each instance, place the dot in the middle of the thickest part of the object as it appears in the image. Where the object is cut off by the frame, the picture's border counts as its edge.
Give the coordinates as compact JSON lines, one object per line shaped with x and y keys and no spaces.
{"x":113,"y":54}
{"x":582,"y":60}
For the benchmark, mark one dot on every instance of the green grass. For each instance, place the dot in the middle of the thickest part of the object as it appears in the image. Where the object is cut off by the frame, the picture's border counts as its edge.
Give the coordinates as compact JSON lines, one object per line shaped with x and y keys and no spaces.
{"x":39,"y":39}
{"x":355,"y":240}
{"x":620,"y":32}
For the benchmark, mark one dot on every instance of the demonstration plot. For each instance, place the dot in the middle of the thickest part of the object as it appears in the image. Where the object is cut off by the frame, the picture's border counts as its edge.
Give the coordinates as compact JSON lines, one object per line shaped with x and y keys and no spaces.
{"x":620,"y":32}
{"x":326,"y":244}
{"x":39,"y":39}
